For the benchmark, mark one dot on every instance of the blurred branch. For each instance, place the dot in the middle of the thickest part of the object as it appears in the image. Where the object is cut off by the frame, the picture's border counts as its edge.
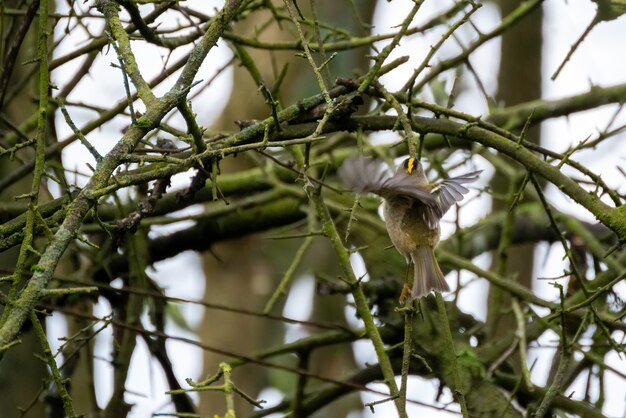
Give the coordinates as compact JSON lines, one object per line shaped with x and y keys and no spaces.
{"x":10,"y":58}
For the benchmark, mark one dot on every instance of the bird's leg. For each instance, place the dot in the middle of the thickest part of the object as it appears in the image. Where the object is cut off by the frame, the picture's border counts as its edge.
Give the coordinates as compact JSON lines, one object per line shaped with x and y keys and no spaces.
{"x":406,"y":290}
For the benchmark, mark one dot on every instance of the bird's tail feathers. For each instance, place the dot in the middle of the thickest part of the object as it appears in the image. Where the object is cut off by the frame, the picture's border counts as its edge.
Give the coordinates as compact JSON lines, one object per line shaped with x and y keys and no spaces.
{"x":427,"y":275}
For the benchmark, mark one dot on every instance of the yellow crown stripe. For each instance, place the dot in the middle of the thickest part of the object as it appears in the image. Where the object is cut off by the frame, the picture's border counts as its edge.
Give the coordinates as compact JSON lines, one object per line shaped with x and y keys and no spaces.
{"x":411,"y":165}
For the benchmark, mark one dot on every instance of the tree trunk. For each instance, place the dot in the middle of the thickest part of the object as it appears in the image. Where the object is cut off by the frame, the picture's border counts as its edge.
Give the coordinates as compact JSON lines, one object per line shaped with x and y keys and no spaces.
{"x":519,"y":80}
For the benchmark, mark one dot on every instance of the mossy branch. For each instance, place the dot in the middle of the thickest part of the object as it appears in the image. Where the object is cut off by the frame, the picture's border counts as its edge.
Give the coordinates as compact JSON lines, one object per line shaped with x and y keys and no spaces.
{"x":79,"y":208}
{"x":359,"y":297}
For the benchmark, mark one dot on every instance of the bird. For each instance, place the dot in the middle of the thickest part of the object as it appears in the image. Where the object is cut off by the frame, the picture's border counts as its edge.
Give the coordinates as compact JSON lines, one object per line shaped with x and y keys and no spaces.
{"x":412,"y":209}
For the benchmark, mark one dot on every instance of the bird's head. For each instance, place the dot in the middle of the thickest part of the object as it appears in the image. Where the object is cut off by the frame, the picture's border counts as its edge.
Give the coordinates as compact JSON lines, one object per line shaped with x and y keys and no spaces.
{"x":412,"y":167}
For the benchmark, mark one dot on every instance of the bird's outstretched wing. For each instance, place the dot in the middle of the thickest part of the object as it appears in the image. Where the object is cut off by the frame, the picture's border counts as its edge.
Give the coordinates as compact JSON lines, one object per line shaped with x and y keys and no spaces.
{"x":446,"y":194}
{"x":450,"y":191}
{"x":370,"y":176}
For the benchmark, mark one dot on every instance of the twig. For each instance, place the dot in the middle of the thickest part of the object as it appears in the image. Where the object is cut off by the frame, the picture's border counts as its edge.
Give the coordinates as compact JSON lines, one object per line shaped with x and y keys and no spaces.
{"x":555,"y":387}
{"x":68,"y":405}
{"x":281,"y":289}
{"x":407,"y":351}
{"x":459,"y":392}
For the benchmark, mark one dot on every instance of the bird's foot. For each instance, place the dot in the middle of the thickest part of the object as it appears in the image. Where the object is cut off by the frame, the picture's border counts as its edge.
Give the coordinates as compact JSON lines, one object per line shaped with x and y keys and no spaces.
{"x":406,"y":291}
